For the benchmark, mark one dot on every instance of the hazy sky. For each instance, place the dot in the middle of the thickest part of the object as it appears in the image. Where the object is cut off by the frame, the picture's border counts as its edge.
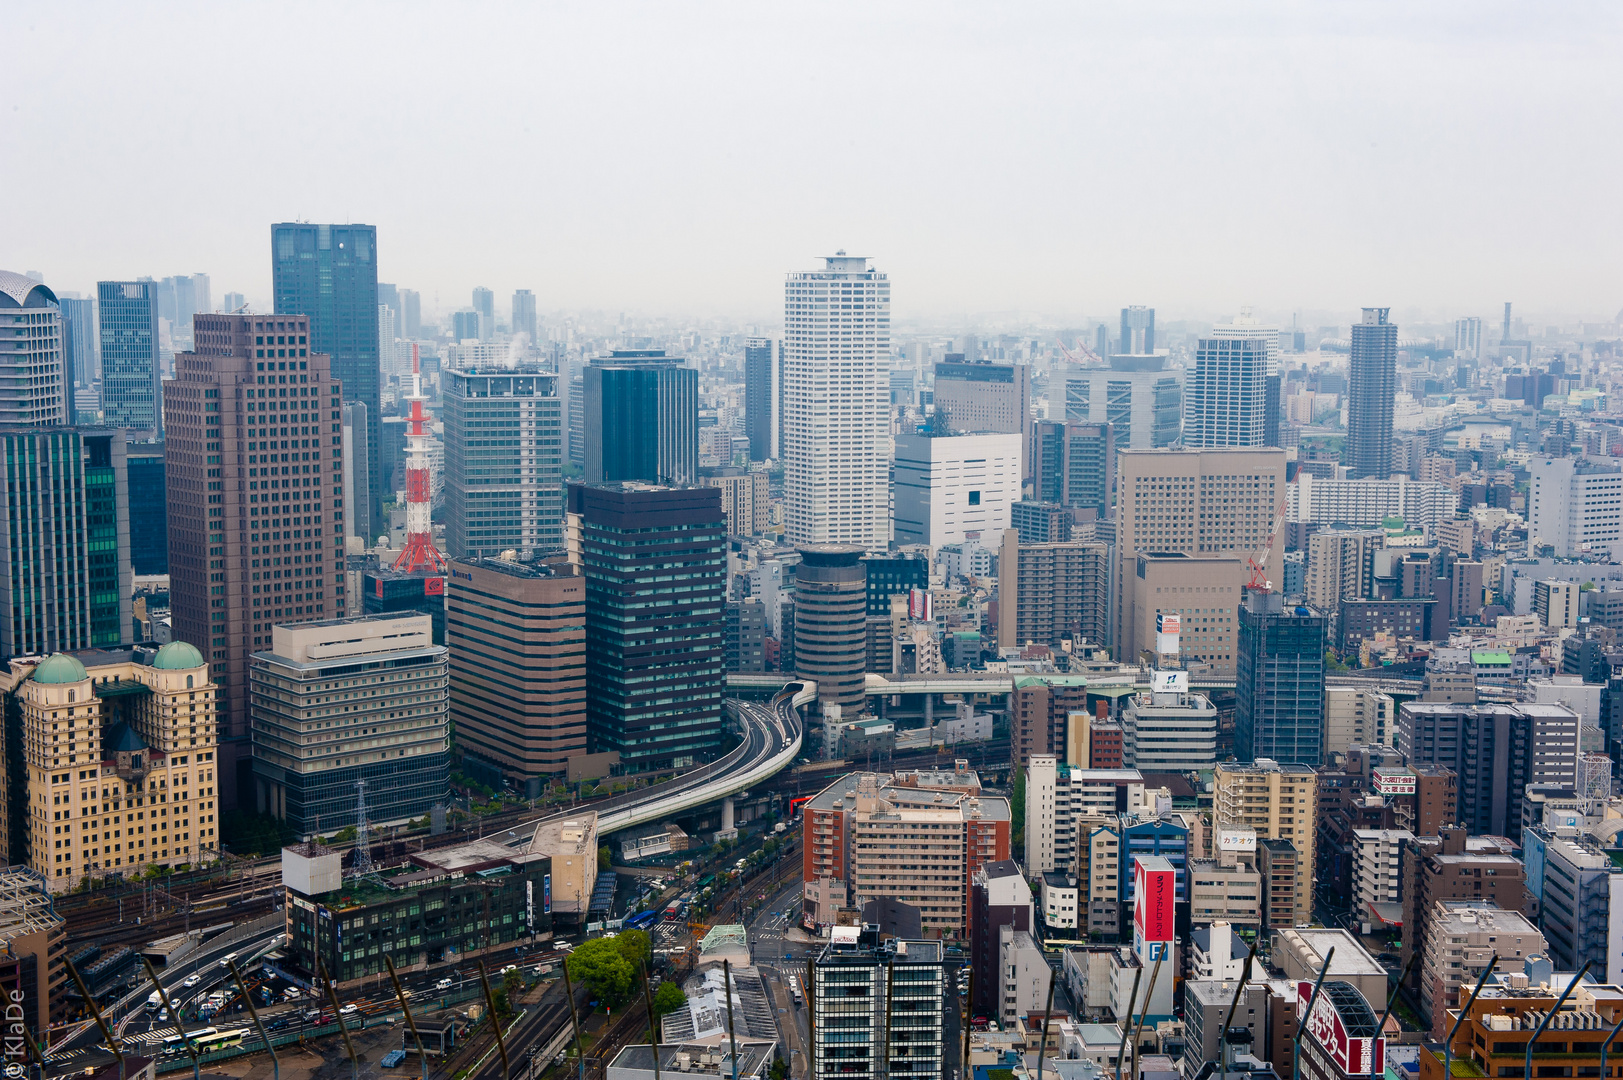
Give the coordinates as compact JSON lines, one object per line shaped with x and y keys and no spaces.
{"x":1061,"y":160}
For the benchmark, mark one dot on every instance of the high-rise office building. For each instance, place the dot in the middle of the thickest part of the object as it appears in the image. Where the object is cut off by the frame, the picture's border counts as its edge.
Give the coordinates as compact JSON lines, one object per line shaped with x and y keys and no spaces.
{"x":1202,"y":590}
{"x":81,"y":355}
{"x":1279,"y":685}
{"x":1203,"y":503}
{"x":484,"y":302}
{"x":517,"y":634}
{"x":254,"y":481}
{"x":465,"y":325}
{"x":1137,"y":330}
{"x":577,"y":415}
{"x":655,"y":563}
{"x":986,"y":397}
{"x":65,"y":548}
{"x":356,"y":468}
{"x":641,"y":418}
{"x":392,"y":732}
{"x":946,"y":489}
{"x":411,"y":313}
{"x":33,"y":391}
{"x":328,"y":274}
{"x":149,"y":513}
{"x":1575,"y":506}
{"x":140,"y":722}
{"x":1227,"y":393}
{"x":761,"y":390}
{"x":524,"y":316}
{"x":1074,"y":465}
{"x":836,"y":413}
{"x":1468,"y":337}
{"x":831,"y":623}
{"x":1140,"y":397}
{"x":745,"y":497}
{"x":1372,"y":384}
{"x":503,"y":463}
{"x":234,"y":302}
{"x":131,"y":377}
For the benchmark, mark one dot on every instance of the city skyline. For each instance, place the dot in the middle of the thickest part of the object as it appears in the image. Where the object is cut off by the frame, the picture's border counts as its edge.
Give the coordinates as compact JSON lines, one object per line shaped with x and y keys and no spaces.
{"x":1381,"y":148}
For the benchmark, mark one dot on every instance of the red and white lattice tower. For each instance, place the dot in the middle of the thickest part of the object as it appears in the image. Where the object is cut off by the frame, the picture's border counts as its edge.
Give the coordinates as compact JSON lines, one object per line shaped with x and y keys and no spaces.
{"x":420,"y":552}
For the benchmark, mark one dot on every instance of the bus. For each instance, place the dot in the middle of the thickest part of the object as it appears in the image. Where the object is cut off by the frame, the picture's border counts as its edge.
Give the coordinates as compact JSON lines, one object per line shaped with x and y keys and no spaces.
{"x":176,"y":1043}
{"x":640,"y":921}
{"x":794,"y":990}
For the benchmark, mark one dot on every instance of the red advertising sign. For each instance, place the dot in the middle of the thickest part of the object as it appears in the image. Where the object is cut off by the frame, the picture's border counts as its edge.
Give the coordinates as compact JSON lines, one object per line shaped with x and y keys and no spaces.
{"x":433,"y":586}
{"x":1155,"y":892}
{"x":918,"y":605}
{"x":1354,"y":1056}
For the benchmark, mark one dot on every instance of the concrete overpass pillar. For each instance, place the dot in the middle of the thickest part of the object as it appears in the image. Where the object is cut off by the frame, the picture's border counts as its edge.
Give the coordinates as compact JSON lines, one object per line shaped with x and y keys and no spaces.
{"x":929,"y":716}
{"x":727,"y":813}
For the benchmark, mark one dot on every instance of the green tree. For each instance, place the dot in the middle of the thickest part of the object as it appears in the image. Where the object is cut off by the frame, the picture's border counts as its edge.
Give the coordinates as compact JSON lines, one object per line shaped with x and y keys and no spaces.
{"x":636,"y":947}
{"x":668,"y":998}
{"x":1017,"y":811}
{"x":604,"y":969}
{"x":512,"y":984}
{"x":605,"y":858}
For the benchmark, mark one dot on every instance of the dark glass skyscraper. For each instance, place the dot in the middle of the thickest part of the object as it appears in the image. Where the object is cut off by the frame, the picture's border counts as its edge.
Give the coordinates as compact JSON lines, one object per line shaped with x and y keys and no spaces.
{"x":655,"y":563}
{"x":149,"y":510}
{"x":1279,"y":682}
{"x":78,"y":348}
{"x":1372,"y":381}
{"x":131,"y":379}
{"x":760,"y":397}
{"x":642,"y":419}
{"x":65,"y":546}
{"x":330,"y":273}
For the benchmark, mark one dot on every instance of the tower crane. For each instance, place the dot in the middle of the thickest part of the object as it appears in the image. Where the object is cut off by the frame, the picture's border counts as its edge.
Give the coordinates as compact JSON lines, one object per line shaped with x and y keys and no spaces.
{"x":1081,"y":347}
{"x":1257,"y":564}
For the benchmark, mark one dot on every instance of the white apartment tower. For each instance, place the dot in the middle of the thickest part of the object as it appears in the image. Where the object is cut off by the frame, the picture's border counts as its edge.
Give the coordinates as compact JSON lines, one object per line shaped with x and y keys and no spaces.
{"x":836,"y":404}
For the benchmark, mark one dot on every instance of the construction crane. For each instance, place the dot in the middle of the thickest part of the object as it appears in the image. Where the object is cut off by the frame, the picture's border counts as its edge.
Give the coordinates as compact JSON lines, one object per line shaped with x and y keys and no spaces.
{"x":1082,"y":347}
{"x":1258,"y":564}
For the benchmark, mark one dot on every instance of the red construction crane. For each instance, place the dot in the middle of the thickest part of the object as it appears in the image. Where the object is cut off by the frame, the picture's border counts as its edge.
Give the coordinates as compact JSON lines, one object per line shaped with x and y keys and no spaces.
{"x":1258,"y":563}
{"x":1089,"y":353}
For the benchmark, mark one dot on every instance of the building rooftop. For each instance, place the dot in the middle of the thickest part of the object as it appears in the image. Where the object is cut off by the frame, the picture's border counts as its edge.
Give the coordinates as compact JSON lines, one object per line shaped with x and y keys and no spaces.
{"x":679,"y":1059}
{"x":1350,"y":959}
{"x":1472,"y":916}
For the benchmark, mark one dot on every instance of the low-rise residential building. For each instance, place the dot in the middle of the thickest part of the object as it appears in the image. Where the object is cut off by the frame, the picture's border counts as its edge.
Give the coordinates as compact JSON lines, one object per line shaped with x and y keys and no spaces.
{"x":917,"y":838}
{"x":1061,"y":897}
{"x":1279,"y":801}
{"x":1442,"y":868}
{"x":1217,"y":952}
{"x":1228,"y":887}
{"x":1378,"y":878}
{"x":1355,"y":716}
{"x":1463,"y":936}
{"x":998,"y":897}
{"x":1023,"y":975}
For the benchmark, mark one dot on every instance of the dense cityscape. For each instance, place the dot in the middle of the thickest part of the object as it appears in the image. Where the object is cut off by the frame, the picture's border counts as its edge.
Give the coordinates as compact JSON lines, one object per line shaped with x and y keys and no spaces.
{"x":495,"y":651}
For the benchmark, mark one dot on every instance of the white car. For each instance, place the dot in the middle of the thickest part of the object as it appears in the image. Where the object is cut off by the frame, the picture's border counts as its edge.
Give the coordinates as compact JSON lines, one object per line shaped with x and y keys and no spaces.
{"x":443,"y":984}
{"x":563,"y":946}
{"x":225,"y":961}
{"x":509,"y":967}
{"x":191,"y":981}
{"x":349,"y":1010}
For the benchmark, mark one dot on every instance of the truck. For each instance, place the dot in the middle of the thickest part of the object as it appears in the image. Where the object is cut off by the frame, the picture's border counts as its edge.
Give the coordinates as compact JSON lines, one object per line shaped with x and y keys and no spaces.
{"x":780,"y":828}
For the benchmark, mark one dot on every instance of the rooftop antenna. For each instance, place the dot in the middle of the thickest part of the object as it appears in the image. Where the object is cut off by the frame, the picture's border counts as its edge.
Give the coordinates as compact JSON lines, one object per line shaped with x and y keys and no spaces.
{"x":363,"y":851}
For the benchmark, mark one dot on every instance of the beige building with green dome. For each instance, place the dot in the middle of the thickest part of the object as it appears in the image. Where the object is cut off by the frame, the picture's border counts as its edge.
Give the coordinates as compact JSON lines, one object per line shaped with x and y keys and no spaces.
{"x":119,"y":747}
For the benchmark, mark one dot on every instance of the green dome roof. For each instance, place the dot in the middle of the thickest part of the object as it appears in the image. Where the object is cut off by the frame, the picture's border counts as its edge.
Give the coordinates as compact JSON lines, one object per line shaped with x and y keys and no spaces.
{"x":177,"y":656}
{"x":60,"y":668}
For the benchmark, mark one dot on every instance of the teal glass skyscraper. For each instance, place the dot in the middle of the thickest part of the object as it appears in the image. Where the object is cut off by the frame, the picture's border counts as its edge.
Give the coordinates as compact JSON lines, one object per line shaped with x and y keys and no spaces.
{"x":642,"y":419}
{"x":131,"y":378}
{"x":330,"y":273}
